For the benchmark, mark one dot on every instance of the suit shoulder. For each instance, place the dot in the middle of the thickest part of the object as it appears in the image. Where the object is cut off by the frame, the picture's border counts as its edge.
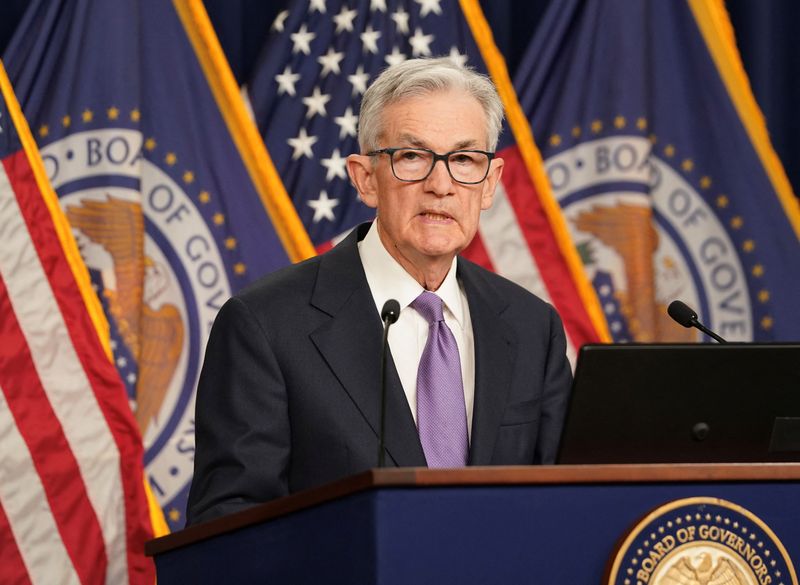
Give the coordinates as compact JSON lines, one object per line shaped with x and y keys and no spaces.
{"x":506,"y":289}
{"x":285,"y":284}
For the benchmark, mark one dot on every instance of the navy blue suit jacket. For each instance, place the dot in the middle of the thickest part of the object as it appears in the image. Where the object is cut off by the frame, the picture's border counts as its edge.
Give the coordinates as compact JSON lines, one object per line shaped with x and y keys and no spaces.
{"x":289,"y":393}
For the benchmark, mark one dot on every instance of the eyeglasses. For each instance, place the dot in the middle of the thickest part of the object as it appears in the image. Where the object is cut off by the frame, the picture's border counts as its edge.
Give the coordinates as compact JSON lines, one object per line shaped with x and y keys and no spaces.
{"x":468,"y":167}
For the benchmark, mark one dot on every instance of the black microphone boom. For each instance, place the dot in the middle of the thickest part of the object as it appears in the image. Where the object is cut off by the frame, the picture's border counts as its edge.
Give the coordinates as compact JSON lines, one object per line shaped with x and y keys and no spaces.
{"x":686,"y":316}
{"x":389,"y":314}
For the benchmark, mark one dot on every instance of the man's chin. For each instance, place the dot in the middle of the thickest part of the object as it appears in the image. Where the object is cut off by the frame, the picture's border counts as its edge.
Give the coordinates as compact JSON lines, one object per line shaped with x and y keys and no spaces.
{"x":440,"y":251}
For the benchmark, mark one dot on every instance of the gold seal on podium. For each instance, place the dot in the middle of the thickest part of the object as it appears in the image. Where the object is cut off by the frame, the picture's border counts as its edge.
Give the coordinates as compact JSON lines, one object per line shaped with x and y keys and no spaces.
{"x":701,"y":541}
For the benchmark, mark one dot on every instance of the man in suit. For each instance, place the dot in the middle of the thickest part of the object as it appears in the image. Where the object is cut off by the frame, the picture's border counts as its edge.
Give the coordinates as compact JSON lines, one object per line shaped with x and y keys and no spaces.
{"x":289,"y":396}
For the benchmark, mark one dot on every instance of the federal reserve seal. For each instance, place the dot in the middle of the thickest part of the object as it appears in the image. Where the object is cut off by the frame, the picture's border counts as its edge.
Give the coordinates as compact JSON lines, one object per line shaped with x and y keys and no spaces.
{"x":650,"y":231}
{"x":158,"y":256}
{"x":702,"y":541}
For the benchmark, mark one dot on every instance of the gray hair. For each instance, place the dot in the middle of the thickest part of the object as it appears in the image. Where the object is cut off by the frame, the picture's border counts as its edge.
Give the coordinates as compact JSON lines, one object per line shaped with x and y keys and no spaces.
{"x":418,"y":77}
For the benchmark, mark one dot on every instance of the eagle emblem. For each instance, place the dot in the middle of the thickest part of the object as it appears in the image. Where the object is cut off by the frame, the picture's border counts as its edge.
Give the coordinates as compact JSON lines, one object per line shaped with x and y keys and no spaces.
{"x":153,"y":335}
{"x":704,"y":572}
{"x":628,"y":230}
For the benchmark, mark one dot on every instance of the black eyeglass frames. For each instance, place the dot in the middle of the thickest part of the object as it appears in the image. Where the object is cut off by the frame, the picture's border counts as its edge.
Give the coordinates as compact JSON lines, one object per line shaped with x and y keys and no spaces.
{"x":410,"y":165}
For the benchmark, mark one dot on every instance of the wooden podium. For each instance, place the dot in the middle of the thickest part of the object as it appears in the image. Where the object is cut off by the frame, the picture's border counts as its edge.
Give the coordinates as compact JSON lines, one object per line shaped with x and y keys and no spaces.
{"x":548,"y":525}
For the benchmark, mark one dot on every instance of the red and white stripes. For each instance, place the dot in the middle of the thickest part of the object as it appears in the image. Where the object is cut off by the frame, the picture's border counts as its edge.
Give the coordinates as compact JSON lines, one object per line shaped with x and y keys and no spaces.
{"x":71,"y":479}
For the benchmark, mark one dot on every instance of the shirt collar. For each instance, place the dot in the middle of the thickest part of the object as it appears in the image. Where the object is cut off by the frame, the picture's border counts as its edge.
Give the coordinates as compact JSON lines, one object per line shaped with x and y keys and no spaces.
{"x":387,"y":279}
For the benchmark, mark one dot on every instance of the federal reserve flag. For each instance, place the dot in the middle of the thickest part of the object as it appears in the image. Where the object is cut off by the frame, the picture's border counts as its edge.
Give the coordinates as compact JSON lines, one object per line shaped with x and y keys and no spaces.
{"x":318,"y":61}
{"x":73,"y":507}
{"x":165,"y":183}
{"x":660,"y":159}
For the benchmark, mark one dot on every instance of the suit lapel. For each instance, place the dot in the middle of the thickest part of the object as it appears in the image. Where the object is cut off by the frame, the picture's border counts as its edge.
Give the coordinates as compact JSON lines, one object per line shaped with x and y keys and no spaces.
{"x":494,"y":359}
{"x":350,"y":342}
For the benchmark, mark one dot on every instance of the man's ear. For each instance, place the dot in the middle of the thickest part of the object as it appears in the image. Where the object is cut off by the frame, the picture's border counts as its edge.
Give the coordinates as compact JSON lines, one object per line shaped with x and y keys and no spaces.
{"x":490,"y":184}
{"x":362,"y":175}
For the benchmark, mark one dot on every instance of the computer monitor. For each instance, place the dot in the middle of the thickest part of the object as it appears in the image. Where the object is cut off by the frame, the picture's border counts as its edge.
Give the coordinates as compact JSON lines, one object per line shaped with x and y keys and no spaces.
{"x":691,"y":403}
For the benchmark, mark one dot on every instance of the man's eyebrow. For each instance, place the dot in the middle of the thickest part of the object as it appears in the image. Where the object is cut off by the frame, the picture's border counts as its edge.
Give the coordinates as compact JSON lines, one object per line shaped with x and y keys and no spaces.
{"x":464,"y":144}
{"x":410,"y":140}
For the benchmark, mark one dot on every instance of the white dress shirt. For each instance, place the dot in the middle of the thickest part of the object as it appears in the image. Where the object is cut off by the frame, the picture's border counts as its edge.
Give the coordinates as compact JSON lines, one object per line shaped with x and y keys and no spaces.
{"x":387,"y":279}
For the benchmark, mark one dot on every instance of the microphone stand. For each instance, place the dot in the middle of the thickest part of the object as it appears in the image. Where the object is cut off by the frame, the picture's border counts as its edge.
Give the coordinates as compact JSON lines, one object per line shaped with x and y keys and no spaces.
{"x":389,"y":314}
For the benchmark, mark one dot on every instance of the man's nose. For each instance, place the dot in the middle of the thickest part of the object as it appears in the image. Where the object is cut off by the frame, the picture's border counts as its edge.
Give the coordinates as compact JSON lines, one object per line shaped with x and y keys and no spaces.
{"x":439,"y":181}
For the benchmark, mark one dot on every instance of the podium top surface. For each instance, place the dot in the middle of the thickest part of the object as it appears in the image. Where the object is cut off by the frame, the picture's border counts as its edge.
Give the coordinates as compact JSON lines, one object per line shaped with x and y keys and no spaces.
{"x":477,"y":476}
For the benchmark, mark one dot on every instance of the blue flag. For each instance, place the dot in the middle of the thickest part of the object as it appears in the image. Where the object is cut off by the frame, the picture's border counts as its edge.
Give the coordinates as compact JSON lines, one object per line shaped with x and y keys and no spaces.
{"x":166,"y":186}
{"x":660,"y":159}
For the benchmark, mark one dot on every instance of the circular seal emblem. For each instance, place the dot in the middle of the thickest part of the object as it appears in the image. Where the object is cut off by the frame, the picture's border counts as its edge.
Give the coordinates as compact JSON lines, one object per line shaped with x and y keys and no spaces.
{"x":702,"y":541}
{"x":158,"y":267}
{"x":648,"y":235}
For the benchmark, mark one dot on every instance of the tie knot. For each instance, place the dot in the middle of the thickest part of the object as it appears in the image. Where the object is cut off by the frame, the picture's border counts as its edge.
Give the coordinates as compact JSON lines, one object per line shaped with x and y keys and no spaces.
{"x":429,"y":306}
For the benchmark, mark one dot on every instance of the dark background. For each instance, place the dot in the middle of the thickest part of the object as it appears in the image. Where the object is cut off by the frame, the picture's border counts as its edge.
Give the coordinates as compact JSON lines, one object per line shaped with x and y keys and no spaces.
{"x":766,"y":33}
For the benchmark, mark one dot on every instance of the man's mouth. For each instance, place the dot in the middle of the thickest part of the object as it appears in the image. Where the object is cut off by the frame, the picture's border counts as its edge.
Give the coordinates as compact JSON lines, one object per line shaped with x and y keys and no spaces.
{"x":433,"y":216}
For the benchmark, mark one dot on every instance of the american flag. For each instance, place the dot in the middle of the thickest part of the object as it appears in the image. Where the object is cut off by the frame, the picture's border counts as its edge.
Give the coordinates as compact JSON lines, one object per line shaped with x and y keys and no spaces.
{"x":72,"y":499}
{"x":148,"y":146}
{"x":316,"y":64}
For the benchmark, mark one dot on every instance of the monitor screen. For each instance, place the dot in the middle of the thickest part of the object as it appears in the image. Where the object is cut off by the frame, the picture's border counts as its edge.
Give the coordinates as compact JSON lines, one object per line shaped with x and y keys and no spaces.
{"x":692,"y":403}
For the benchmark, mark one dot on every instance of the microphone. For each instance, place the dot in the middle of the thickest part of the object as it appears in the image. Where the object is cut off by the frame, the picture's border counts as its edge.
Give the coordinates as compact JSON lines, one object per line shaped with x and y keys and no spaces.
{"x":686,"y":316}
{"x":389,"y":314}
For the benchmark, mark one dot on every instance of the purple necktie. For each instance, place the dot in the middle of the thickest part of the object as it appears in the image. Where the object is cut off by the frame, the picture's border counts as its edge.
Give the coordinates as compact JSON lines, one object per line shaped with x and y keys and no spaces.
{"x":441,"y":414}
